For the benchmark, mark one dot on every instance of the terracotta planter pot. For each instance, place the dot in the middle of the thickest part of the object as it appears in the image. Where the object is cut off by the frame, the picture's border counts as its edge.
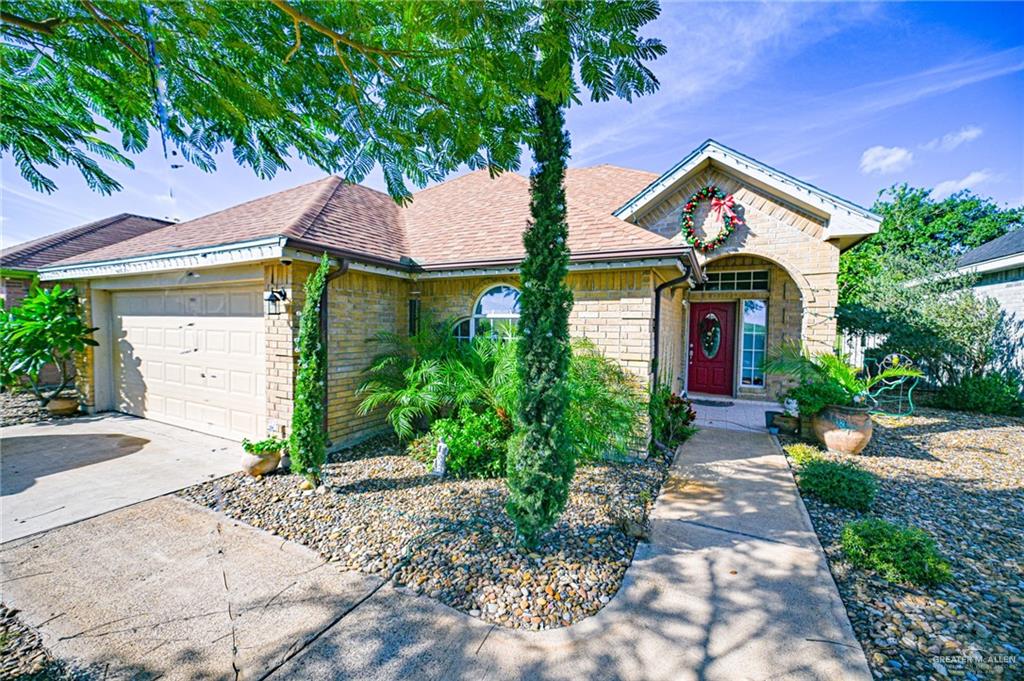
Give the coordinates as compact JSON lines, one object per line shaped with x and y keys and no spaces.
{"x":843,"y":429}
{"x":256,"y":465}
{"x":62,"y":406}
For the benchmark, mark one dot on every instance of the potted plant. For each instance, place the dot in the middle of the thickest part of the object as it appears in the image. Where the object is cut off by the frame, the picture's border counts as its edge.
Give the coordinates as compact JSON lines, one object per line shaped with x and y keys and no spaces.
{"x":261,"y":457}
{"x":834,"y":394}
{"x":47,"y":328}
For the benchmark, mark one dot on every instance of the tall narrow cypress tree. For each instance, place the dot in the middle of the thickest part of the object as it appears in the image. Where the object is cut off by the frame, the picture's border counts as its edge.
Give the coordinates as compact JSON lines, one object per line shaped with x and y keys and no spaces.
{"x":308,"y":442}
{"x":541,"y":464}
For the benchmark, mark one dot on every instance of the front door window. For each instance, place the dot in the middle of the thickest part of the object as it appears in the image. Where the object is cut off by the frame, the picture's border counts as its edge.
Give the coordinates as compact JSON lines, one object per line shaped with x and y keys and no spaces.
{"x":710,"y":335}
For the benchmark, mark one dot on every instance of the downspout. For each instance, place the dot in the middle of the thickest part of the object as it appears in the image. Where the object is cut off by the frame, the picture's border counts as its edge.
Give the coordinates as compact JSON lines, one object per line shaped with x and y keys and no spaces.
{"x":324,"y":315}
{"x":657,"y":314}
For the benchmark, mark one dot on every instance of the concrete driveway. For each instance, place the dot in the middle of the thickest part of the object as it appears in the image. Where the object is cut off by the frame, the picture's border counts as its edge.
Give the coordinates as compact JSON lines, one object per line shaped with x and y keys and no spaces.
{"x":60,"y":472}
{"x":733,"y":586}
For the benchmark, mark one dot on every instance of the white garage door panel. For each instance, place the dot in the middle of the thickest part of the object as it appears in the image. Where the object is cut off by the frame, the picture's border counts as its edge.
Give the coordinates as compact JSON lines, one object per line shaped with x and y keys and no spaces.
{"x":192,"y":358}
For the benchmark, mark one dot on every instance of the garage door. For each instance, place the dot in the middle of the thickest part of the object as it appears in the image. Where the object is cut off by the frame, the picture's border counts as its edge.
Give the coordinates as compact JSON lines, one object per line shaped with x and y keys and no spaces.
{"x":192,"y":358}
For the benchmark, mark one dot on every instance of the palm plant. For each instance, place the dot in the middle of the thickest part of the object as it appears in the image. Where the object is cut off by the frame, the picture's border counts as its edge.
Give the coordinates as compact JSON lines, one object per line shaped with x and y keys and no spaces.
{"x":419,"y":380}
{"x":483,"y":376}
{"x":828,"y":378}
{"x":415,"y":396}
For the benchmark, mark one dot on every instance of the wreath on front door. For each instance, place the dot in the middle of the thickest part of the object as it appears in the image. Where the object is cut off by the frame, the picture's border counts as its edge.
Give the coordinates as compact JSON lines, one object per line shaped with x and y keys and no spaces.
{"x":722,"y":204}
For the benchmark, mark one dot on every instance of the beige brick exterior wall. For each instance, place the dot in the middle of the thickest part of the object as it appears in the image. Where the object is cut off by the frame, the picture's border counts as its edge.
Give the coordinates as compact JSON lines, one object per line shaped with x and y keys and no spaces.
{"x":671,"y":337}
{"x":611,"y":308}
{"x":85,"y":362}
{"x":774,"y":231}
{"x":281,"y":332}
{"x":360,"y":306}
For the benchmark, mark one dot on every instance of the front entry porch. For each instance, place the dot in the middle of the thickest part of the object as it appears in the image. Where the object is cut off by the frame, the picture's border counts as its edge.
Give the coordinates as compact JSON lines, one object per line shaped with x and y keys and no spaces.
{"x":725,"y":413}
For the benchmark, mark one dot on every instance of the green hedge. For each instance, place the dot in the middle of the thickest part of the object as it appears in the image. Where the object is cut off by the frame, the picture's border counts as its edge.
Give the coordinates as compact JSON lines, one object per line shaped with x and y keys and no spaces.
{"x":897,"y":553}
{"x":840,"y":484}
{"x":986,"y":394}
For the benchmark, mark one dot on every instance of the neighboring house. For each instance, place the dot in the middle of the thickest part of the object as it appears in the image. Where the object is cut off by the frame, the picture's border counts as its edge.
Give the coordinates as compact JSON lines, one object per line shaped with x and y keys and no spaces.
{"x":19,"y":264}
{"x":999,"y":267}
{"x":198,"y":320}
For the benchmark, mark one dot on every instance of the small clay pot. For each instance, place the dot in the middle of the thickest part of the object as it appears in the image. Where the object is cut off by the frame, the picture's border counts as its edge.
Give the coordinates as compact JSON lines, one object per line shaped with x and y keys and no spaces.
{"x":257,"y":465}
{"x":62,"y":406}
{"x":843,"y":429}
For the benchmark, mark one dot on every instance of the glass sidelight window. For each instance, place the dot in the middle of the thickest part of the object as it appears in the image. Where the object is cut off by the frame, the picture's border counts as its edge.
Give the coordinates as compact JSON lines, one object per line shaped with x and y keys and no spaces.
{"x":755,"y":338}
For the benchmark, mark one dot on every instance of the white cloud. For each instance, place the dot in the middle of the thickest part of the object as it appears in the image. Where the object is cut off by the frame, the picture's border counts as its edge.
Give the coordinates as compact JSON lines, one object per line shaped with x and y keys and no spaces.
{"x":698,"y":71}
{"x":952,"y":140}
{"x":944,"y":189}
{"x":879,"y":159}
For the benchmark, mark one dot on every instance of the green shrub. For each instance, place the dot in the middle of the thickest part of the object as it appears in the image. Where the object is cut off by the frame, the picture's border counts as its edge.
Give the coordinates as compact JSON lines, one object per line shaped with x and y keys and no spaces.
{"x":898,"y":554}
{"x":270,"y":445}
{"x":840,"y":484}
{"x":477,"y":443}
{"x":47,"y":328}
{"x":802,"y":453}
{"x":828,"y":378}
{"x":813,"y":396}
{"x":603,"y":416}
{"x":991,"y":393}
{"x":423,"y":449}
{"x":672,"y":416}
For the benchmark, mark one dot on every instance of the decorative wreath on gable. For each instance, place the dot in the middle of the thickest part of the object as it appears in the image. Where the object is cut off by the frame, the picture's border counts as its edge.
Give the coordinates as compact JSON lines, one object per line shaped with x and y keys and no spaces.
{"x":721,"y":204}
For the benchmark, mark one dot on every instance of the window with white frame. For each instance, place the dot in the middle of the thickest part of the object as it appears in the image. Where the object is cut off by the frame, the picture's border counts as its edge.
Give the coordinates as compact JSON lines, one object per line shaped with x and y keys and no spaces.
{"x":755,"y":338}
{"x":496,"y":314}
{"x":745,"y":280}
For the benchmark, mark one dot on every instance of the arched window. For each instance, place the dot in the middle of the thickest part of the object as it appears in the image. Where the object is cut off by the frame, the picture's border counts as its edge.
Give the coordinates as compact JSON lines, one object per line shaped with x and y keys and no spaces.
{"x":463,"y":330}
{"x":496,"y":313}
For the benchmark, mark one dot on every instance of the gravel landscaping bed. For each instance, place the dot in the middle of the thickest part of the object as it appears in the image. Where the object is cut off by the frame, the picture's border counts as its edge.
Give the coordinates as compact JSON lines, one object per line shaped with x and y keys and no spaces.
{"x":23,"y":656}
{"x":381,"y":513}
{"x":960,"y":477}
{"x":23,"y":407}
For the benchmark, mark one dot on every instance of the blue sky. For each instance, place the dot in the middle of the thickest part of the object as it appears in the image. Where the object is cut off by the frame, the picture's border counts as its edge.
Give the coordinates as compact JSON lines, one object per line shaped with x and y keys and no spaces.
{"x":850,"y":97}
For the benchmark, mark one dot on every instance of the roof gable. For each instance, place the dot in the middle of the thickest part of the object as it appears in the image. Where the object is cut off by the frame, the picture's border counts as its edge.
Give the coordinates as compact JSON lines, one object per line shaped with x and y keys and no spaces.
{"x":844,"y":219}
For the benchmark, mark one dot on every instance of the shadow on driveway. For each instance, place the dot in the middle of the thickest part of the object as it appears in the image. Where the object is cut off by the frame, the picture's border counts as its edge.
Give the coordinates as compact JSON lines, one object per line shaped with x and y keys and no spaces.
{"x":28,"y":458}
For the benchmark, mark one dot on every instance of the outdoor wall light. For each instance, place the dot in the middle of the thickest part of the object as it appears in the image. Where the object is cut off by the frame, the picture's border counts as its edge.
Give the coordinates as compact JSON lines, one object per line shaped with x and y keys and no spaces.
{"x":274,"y":300}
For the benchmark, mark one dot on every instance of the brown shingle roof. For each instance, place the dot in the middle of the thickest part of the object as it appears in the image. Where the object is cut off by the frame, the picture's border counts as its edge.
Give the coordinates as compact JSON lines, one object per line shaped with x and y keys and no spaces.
{"x":606,"y":187}
{"x":471,"y":219}
{"x":77,"y":240}
{"x":476,"y":218}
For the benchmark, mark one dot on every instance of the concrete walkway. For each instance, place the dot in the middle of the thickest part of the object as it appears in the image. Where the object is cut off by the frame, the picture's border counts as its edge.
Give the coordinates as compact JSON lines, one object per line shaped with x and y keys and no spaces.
{"x":732,"y":586}
{"x":58,"y":472}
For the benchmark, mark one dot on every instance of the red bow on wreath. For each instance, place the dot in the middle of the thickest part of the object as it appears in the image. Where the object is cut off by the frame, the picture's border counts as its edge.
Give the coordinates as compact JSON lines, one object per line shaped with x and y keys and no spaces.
{"x":725,"y":205}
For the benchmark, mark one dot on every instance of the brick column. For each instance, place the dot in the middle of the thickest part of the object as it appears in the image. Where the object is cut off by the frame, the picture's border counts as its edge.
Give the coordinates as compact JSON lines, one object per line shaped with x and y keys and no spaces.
{"x":282,"y":331}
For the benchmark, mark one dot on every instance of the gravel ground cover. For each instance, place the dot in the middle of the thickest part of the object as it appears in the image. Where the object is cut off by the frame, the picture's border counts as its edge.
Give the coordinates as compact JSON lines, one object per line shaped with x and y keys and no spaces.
{"x":380,"y":512}
{"x":960,"y":477}
{"x":23,"y":407}
{"x":23,"y":656}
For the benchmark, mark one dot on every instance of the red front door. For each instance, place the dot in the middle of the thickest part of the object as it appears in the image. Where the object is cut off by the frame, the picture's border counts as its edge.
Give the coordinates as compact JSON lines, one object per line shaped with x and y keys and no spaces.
{"x":712,"y":329}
